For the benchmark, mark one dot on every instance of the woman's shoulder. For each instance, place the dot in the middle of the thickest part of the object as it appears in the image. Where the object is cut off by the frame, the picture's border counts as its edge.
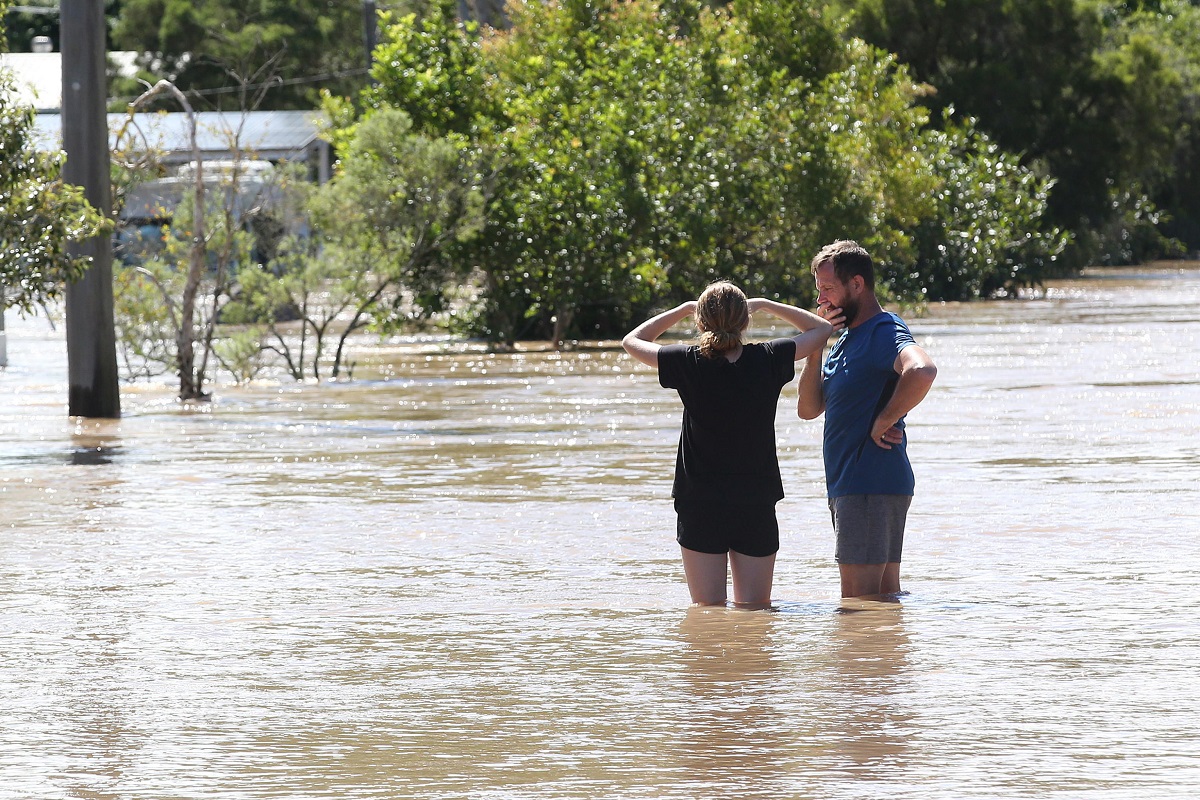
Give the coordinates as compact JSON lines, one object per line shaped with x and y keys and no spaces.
{"x":773,"y":346}
{"x":677,"y":356}
{"x":679,"y":350}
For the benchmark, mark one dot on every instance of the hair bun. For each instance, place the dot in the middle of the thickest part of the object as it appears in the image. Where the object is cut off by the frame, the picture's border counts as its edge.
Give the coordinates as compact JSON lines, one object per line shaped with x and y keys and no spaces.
{"x":721,"y":316}
{"x":716,"y":343}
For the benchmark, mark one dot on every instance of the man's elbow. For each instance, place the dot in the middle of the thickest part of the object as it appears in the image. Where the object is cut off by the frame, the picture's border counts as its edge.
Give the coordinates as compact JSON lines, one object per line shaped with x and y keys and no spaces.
{"x":806,"y":411}
{"x":927,"y":373}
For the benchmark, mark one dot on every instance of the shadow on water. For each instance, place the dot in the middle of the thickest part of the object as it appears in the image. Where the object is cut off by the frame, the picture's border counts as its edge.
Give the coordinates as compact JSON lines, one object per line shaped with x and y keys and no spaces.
{"x":95,"y":442}
{"x":731,"y":671}
{"x":726,"y":645}
{"x":764,"y":690}
{"x":869,"y":643}
{"x":93,"y":456}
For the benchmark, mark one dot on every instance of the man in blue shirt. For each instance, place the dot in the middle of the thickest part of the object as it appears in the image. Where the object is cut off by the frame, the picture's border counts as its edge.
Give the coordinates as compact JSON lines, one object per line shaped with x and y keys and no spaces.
{"x":875,"y":374}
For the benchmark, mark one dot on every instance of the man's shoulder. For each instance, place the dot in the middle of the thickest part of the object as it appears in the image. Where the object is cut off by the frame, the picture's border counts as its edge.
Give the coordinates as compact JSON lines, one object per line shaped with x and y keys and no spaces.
{"x":888,"y":327}
{"x":888,"y":318}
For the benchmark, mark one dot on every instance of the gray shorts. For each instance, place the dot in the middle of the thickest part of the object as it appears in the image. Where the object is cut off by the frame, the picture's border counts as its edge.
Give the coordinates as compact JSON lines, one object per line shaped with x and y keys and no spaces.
{"x":869,"y":527}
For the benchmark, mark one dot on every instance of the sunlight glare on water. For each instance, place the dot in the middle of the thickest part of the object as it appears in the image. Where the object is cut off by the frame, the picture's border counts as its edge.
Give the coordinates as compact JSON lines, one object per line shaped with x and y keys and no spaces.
{"x":457,"y":578}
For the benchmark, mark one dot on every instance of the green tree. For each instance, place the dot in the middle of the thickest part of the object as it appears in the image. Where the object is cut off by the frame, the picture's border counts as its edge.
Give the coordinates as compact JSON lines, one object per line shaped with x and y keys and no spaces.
{"x":32,"y":18}
{"x":645,"y":148}
{"x":635,"y":159}
{"x":217,"y":46}
{"x":247,"y":215}
{"x":204,"y":247}
{"x":433,"y":67}
{"x":986,"y":236}
{"x":168,"y":307}
{"x":1046,"y":79}
{"x":39,"y":214}
{"x":567,"y":232}
{"x":378,"y":259}
{"x":1168,"y":34}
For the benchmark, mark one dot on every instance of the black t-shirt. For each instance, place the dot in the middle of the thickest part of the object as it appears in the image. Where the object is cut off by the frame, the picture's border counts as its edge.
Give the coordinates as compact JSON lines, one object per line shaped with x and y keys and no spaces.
{"x":727,"y":445}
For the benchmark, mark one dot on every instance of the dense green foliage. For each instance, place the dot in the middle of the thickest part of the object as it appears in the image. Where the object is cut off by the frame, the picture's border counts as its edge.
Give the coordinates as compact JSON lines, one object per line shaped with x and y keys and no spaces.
{"x":986,"y":235}
{"x":643,"y":149}
{"x":1099,"y":97}
{"x":301,"y":45}
{"x":39,"y":214}
{"x":597,"y":159}
{"x":1173,"y":30}
{"x":384,"y":226}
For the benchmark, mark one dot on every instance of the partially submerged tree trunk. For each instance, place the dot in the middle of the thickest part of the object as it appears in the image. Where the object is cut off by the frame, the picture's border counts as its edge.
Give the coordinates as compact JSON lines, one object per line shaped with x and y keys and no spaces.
{"x":191,"y":381}
{"x":564,"y":315}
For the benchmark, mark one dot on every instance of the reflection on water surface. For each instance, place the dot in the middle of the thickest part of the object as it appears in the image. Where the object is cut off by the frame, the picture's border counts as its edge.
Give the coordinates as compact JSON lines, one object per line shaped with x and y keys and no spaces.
{"x":457,"y":578}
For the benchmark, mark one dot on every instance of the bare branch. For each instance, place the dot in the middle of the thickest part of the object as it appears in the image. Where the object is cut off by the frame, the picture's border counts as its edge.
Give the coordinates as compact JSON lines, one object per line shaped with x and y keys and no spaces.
{"x":162,"y":290}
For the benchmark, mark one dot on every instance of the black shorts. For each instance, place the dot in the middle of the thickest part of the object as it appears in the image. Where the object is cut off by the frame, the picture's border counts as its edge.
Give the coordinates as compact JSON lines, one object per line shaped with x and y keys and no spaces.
{"x":747,"y":528}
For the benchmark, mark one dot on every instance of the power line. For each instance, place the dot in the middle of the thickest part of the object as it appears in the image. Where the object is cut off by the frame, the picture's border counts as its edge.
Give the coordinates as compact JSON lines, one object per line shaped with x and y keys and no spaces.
{"x":346,"y":73}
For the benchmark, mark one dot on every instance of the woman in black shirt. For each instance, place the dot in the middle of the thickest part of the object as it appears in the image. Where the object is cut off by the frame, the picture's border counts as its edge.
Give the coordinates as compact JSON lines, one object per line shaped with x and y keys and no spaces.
{"x":727,"y":478}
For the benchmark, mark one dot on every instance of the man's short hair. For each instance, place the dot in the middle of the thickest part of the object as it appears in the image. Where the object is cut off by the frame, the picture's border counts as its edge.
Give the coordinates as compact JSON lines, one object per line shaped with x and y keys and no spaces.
{"x":849,"y":259}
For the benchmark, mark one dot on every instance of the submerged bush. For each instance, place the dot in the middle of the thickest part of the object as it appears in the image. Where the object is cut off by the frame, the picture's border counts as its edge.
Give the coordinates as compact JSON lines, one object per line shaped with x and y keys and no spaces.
{"x":642,"y":149}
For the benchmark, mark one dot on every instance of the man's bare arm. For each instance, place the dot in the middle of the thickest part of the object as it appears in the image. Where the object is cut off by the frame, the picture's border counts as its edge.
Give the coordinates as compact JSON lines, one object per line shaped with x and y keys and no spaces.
{"x":917,"y":373}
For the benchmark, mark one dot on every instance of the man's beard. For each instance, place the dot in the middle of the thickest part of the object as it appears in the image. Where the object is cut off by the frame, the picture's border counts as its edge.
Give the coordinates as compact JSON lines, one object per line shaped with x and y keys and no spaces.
{"x":850,"y":311}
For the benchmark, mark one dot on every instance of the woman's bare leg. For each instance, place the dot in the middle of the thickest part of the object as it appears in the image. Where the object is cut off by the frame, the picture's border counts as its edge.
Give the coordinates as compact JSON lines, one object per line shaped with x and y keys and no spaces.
{"x":706,"y":576}
{"x":752,"y":578}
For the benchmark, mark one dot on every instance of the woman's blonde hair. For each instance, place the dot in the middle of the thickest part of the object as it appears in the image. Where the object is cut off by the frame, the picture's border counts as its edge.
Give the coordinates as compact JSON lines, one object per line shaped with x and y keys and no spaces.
{"x":721,"y":316}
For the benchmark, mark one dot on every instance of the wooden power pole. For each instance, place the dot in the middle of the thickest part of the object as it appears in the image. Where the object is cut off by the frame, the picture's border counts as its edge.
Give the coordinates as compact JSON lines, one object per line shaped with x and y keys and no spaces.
{"x":370,"y":31}
{"x":91,"y":337}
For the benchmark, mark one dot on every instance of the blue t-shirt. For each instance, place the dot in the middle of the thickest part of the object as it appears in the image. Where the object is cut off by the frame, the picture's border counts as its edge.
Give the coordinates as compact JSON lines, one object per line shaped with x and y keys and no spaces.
{"x":858,"y":380}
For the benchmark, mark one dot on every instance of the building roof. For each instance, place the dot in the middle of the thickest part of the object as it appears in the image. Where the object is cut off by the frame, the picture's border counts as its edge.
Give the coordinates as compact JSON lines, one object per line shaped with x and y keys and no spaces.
{"x":265,"y":135}
{"x":37,"y":77}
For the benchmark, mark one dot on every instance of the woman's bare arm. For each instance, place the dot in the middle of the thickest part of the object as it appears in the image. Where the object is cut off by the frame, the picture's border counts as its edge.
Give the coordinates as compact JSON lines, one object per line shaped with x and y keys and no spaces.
{"x":640,"y":343}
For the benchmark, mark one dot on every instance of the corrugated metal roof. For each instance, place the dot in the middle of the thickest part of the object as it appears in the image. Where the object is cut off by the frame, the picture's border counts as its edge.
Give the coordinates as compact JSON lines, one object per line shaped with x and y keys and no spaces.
{"x":270,"y":135}
{"x":37,"y":77}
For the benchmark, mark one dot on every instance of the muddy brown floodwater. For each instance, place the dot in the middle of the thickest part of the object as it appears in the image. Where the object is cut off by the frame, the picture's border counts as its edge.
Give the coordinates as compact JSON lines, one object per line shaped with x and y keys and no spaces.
{"x":457,"y":578}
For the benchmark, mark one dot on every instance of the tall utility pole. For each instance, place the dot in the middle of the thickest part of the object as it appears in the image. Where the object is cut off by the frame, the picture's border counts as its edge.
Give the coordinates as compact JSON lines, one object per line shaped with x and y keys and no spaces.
{"x":91,"y":337}
{"x":370,"y":31}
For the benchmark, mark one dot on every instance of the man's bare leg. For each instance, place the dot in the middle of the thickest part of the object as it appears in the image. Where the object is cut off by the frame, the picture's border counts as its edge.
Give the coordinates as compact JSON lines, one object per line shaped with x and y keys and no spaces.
{"x":890,"y":583}
{"x":863,"y":580}
{"x":752,"y":578}
{"x":706,"y":576}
